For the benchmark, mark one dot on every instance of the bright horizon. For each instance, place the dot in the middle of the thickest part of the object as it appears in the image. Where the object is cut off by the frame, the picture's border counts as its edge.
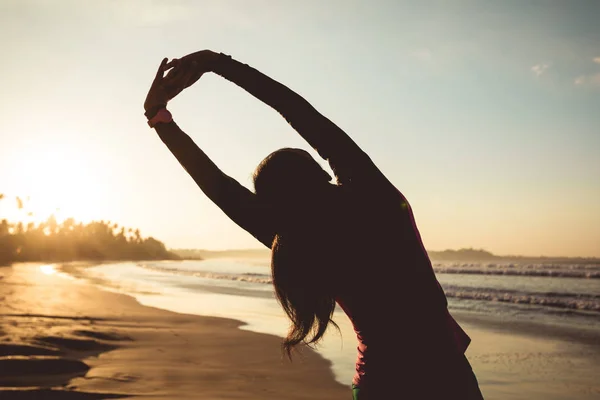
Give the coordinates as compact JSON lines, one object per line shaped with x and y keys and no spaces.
{"x":484,"y":114}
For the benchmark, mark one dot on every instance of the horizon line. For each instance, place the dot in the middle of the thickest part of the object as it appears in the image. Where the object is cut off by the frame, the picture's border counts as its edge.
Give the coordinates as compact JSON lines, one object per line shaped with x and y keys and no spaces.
{"x":257,"y":249}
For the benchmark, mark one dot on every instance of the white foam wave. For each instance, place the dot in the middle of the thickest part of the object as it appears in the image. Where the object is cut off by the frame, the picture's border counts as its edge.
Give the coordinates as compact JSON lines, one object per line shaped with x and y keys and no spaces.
{"x":246,"y":277}
{"x":585,"y":271}
{"x":555,"y":300}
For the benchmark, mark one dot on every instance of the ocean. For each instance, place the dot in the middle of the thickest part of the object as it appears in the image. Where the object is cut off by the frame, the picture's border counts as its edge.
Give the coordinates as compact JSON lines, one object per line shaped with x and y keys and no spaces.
{"x":552,"y":295}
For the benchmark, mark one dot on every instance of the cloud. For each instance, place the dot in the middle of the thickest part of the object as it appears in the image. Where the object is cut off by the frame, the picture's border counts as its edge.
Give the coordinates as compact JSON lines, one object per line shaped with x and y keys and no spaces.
{"x":539,"y":69}
{"x":588,"y":80}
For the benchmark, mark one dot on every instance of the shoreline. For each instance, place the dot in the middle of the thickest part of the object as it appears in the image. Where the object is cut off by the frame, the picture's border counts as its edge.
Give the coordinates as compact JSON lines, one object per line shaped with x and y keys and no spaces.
{"x":512,"y":359}
{"x":581,"y":334}
{"x":544,"y":353}
{"x":65,"y":338}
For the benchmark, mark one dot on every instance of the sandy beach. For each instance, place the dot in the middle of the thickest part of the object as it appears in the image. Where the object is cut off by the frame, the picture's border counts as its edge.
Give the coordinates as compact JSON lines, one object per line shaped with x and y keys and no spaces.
{"x":64,"y":338}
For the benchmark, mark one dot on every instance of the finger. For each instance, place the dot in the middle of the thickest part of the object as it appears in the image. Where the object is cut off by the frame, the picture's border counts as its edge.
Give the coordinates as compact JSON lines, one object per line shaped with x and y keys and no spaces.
{"x":176,"y":72}
{"x":161,"y":68}
{"x":180,"y":79}
{"x":173,"y":63}
{"x":184,"y":72}
{"x":173,"y":73}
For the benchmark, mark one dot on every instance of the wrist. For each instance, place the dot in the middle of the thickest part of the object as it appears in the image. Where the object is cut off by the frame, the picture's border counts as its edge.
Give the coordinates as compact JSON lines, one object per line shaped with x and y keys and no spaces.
{"x":151,"y":110}
{"x":218,"y":60}
{"x":162,"y":116}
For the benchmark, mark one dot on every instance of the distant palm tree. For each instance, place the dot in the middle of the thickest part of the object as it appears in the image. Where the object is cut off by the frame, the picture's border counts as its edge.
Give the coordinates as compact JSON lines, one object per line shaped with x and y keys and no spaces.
{"x":4,"y":228}
{"x":72,"y":240}
{"x":68,"y":224}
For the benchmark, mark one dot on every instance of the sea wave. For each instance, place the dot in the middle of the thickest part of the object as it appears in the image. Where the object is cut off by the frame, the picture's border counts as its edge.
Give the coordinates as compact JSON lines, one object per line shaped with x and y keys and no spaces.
{"x":584,"y":271}
{"x":245,"y":277}
{"x":587,"y":302}
{"x":579,"y":302}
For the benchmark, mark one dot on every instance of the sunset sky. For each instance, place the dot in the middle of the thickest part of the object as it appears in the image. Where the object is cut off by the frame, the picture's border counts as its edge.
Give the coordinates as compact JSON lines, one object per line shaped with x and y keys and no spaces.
{"x":486,"y":114}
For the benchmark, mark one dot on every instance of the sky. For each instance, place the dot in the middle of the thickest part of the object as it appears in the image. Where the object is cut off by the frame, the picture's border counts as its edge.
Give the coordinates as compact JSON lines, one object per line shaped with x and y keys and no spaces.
{"x":485,"y":114}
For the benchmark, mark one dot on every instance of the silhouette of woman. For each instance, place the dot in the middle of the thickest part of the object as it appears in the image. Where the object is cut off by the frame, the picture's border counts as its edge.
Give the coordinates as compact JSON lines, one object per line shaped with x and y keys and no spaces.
{"x":354,"y":243}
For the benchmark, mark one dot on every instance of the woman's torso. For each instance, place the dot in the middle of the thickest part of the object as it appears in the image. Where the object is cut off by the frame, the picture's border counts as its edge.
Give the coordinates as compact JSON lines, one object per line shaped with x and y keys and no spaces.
{"x":389,"y":291}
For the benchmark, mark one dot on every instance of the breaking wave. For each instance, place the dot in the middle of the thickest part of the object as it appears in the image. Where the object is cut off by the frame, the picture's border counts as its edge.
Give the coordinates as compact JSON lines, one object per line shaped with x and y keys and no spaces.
{"x":587,"y":271}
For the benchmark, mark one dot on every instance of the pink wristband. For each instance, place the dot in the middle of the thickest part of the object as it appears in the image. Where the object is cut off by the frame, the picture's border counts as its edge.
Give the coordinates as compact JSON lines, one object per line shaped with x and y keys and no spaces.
{"x":162,"y":116}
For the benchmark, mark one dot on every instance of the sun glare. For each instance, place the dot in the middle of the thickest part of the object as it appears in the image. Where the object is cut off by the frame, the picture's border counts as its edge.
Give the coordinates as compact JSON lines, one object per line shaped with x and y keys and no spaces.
{"x":47,"y":269}
{"x":52,"y":181}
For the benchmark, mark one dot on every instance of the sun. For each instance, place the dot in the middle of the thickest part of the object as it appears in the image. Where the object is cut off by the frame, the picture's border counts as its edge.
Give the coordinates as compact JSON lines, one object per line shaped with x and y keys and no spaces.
{"x":52,"y":180}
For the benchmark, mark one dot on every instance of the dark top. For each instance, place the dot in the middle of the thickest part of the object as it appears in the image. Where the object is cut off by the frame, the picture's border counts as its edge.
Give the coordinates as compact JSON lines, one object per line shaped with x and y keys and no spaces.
{"x":390,"y":292}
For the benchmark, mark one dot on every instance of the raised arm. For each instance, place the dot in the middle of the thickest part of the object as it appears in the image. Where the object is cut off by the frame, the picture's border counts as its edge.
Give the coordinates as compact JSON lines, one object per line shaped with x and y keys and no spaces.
{"x":348,"y":161}
{"x":238,"y":203}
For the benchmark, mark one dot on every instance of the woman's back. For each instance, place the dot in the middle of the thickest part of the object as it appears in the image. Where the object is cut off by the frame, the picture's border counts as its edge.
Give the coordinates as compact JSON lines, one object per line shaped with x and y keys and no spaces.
{"x":389,"y":291}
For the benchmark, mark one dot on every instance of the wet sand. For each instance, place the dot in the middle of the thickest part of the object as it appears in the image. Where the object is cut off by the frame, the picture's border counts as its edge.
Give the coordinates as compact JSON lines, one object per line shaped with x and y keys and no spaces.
{"x":517,"y":360}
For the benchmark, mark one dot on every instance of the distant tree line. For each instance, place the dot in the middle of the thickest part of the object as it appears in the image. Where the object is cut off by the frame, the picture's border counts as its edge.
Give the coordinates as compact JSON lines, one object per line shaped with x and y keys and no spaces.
{"x":74,"y":241}
{"x":462,"y":255}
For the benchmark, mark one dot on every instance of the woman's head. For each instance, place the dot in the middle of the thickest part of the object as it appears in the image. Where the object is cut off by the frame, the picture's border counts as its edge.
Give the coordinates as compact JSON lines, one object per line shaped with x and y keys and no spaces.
{"x":289,"y":178}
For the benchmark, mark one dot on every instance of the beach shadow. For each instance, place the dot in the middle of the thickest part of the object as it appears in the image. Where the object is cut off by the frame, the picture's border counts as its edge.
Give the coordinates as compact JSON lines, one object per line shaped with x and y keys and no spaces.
{"x":42,"y":366}
{"x":51,"y":394}
{"x":39,"y":371}
{"x":10,"y":349}
{"x":102,"y":335}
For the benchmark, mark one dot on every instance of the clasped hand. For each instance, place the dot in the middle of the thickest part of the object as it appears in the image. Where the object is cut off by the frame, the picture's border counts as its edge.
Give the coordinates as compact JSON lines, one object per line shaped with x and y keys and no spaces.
{"x":181,"y":73}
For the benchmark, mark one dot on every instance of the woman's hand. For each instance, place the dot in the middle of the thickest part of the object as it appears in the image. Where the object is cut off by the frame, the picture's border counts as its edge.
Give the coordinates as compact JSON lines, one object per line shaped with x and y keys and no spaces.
{"x":165,"y":88}
{"x":200,"y":61}
{"x":193,"y":66}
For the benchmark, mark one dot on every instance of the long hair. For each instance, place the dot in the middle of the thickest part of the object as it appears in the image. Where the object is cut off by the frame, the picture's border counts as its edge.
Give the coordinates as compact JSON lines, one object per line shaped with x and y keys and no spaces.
{"x":303,"y":275}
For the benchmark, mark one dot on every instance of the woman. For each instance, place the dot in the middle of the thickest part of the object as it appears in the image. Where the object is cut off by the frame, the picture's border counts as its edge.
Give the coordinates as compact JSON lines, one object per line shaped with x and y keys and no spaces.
{"x":353,"y":243}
